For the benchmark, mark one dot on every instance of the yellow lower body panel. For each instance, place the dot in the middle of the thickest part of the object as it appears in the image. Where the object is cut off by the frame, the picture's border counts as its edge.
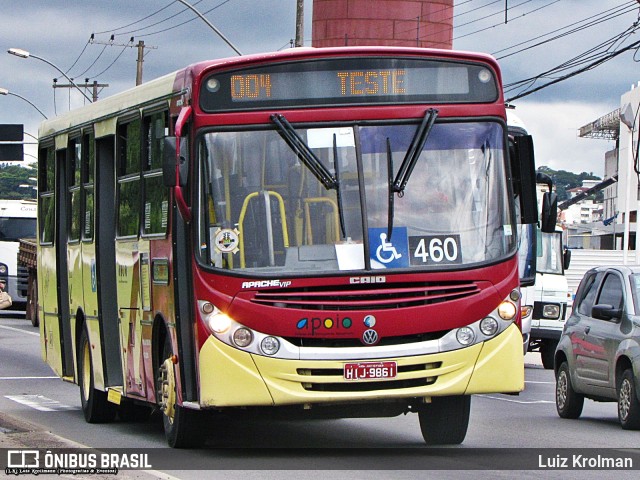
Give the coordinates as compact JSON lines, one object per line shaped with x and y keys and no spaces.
{"x":230,"y":377}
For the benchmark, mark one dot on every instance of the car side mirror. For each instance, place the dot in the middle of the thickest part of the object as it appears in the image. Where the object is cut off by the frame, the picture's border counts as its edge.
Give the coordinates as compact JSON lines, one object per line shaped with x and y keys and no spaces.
{"x":606,"y":312}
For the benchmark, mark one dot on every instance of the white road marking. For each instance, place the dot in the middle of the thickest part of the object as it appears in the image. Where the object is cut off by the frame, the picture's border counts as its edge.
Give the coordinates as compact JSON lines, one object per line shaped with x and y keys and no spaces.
{"x":37,"y":334}
{"x":29,"y":378}
{"x":516,"y":401}
{"x":40,"y":402}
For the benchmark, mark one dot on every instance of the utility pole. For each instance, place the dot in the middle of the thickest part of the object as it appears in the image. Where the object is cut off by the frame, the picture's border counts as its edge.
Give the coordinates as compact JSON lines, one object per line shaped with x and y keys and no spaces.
{"x":140,"y":46}
{"x":94,"y":86}
{"x":300,"y":24}
{"x":139,"y":62}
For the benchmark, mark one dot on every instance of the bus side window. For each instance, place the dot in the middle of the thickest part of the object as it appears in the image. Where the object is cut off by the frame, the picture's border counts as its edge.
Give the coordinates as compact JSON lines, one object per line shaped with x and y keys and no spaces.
{"x":75,"y":163}
{"x":128,"y":173}
{"x":156,"y":195}
{"x":87,"y":171}
{"x":46,"y":192}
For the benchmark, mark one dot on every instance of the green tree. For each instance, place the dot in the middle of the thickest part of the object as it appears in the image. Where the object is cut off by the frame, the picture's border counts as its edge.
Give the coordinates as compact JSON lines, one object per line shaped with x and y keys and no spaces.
{"x":13,"y":181}
{"x":564,"y":180}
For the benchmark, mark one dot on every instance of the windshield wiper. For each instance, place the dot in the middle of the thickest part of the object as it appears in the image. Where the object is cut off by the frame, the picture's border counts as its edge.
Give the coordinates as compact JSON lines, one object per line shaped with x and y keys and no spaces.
{"x":390,"y":192}
{"x":338,"y":194}
{"x":299,"y":146}
{"x":414,"y":151}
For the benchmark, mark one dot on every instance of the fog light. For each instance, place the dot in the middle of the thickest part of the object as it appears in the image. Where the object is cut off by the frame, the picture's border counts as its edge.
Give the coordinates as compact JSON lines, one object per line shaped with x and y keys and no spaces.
{"x":551,"y":311}
{"x":219,"y":323}
{"x":270,"y":345}
{"x":507,"y":311}
{"x":465,"y":336}
{"x":489,"y":326}
{"x":242,"y":337}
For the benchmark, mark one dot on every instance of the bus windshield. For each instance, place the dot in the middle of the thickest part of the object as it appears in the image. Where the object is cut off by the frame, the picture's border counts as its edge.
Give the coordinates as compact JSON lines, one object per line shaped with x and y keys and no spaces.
{"x":549,"y":253}
{"x":264,"y":209}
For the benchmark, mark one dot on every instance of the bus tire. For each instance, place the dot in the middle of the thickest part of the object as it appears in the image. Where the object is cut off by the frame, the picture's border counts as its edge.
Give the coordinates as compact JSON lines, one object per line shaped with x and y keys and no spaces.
{"x":569,"y":403}
{"x":179,"y":423}
{"x":95,"y":406}
{"x":445,"y":420}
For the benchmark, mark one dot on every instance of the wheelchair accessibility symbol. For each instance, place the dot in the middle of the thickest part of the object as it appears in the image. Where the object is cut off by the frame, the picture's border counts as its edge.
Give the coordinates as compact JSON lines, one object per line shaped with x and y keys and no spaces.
{"x":387,"y":253}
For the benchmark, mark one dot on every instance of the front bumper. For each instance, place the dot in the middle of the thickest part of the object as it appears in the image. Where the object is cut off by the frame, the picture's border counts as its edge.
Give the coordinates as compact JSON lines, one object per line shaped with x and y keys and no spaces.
{"x":231,"y":378}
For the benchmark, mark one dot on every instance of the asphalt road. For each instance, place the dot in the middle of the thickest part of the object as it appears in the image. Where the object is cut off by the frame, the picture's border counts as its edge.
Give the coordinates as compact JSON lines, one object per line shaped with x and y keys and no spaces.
{"x":38,"y":410}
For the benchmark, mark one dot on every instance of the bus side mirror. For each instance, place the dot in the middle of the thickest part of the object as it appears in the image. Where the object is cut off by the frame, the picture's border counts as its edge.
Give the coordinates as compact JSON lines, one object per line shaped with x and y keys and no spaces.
{"x":566,"y":258}
{"x":549,"y":212}
{"x":524,"y":177}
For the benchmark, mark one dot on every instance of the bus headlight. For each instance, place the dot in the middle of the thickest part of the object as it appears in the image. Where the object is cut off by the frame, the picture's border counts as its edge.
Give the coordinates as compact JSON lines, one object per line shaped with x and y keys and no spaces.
{"x":489,"y":326}
{"x":507,"y":310}
{"x":270,"y":345}
{"x":219,"y":322}
{"x":228,"y":331}
{"x":465,"y":336}
{"x":242,"y":337}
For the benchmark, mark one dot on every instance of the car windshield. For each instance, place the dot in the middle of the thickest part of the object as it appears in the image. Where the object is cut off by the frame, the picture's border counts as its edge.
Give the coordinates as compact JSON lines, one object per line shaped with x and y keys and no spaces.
{"x":264,"y":209}
{"x":13,"y":229}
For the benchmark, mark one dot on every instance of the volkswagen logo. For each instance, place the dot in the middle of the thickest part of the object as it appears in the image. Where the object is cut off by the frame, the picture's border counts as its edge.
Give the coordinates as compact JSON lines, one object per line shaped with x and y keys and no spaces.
{"x":370,"y":337}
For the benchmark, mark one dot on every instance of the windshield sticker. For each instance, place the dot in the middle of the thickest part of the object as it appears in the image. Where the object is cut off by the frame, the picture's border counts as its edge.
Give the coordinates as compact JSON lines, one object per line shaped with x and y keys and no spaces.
{"x":435,"y":250}
{"x":323,"y":137}
{"x":507,"y":230}
{"x":389,"y":253}
{"x":226,"y":240}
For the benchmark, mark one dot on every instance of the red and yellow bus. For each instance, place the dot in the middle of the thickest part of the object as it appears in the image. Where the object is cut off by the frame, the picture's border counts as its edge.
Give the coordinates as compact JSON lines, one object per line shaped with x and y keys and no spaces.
{"x":317,"y":232}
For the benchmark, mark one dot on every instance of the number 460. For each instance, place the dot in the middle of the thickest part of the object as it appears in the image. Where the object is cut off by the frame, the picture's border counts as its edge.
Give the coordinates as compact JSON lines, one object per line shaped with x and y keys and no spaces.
{"x":437,"y":250}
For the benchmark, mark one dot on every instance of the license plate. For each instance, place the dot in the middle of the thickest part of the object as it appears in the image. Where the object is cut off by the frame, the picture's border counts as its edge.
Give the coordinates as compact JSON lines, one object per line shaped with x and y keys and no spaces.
{"x":370,"y":370}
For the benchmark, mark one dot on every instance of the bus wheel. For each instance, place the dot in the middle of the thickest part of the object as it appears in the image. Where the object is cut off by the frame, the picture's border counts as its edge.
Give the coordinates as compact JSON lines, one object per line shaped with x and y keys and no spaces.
{"x":95,"y":406}
{"x":444,"y":421}
{"x":178,"y":421}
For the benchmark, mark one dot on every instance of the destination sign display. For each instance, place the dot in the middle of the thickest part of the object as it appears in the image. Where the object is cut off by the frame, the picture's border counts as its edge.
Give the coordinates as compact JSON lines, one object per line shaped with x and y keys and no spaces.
{"x":345,"y":81}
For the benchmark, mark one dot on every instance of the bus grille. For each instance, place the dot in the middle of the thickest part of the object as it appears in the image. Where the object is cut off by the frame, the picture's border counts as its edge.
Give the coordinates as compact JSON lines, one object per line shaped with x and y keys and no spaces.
{"x":331,"y":380}
{"x":359,"y":297}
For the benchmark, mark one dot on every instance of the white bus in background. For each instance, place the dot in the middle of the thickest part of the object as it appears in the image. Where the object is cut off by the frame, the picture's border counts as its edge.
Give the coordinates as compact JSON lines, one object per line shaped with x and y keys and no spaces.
{"x":544,"y":304}
{"x":17,"y":221}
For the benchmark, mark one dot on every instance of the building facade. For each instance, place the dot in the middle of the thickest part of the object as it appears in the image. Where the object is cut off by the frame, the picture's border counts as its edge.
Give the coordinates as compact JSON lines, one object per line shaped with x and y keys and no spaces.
{"x":418,"y":23}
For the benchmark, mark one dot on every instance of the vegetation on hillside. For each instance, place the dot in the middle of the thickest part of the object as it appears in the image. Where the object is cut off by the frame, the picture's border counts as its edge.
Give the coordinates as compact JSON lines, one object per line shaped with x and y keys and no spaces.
{"x":564,"y":180}
{"x":17,"y":182}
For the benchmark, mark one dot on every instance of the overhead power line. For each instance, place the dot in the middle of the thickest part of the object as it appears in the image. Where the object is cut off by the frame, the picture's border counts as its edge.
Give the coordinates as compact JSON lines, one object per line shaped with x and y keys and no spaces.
{"x":590,"y":66}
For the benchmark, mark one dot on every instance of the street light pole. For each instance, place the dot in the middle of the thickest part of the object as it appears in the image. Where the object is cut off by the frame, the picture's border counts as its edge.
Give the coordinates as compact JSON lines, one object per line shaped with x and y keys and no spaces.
{"x":18,"y":52}
{"x":4,"y":91}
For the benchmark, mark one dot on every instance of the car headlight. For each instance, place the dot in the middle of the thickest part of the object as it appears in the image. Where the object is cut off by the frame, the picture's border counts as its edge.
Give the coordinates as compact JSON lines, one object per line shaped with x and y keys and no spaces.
{"x":551,"y":311}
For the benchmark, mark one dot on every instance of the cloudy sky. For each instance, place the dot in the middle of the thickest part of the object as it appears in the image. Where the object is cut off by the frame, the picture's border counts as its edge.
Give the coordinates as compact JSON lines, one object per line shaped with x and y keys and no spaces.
{"x":60,"y":31}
